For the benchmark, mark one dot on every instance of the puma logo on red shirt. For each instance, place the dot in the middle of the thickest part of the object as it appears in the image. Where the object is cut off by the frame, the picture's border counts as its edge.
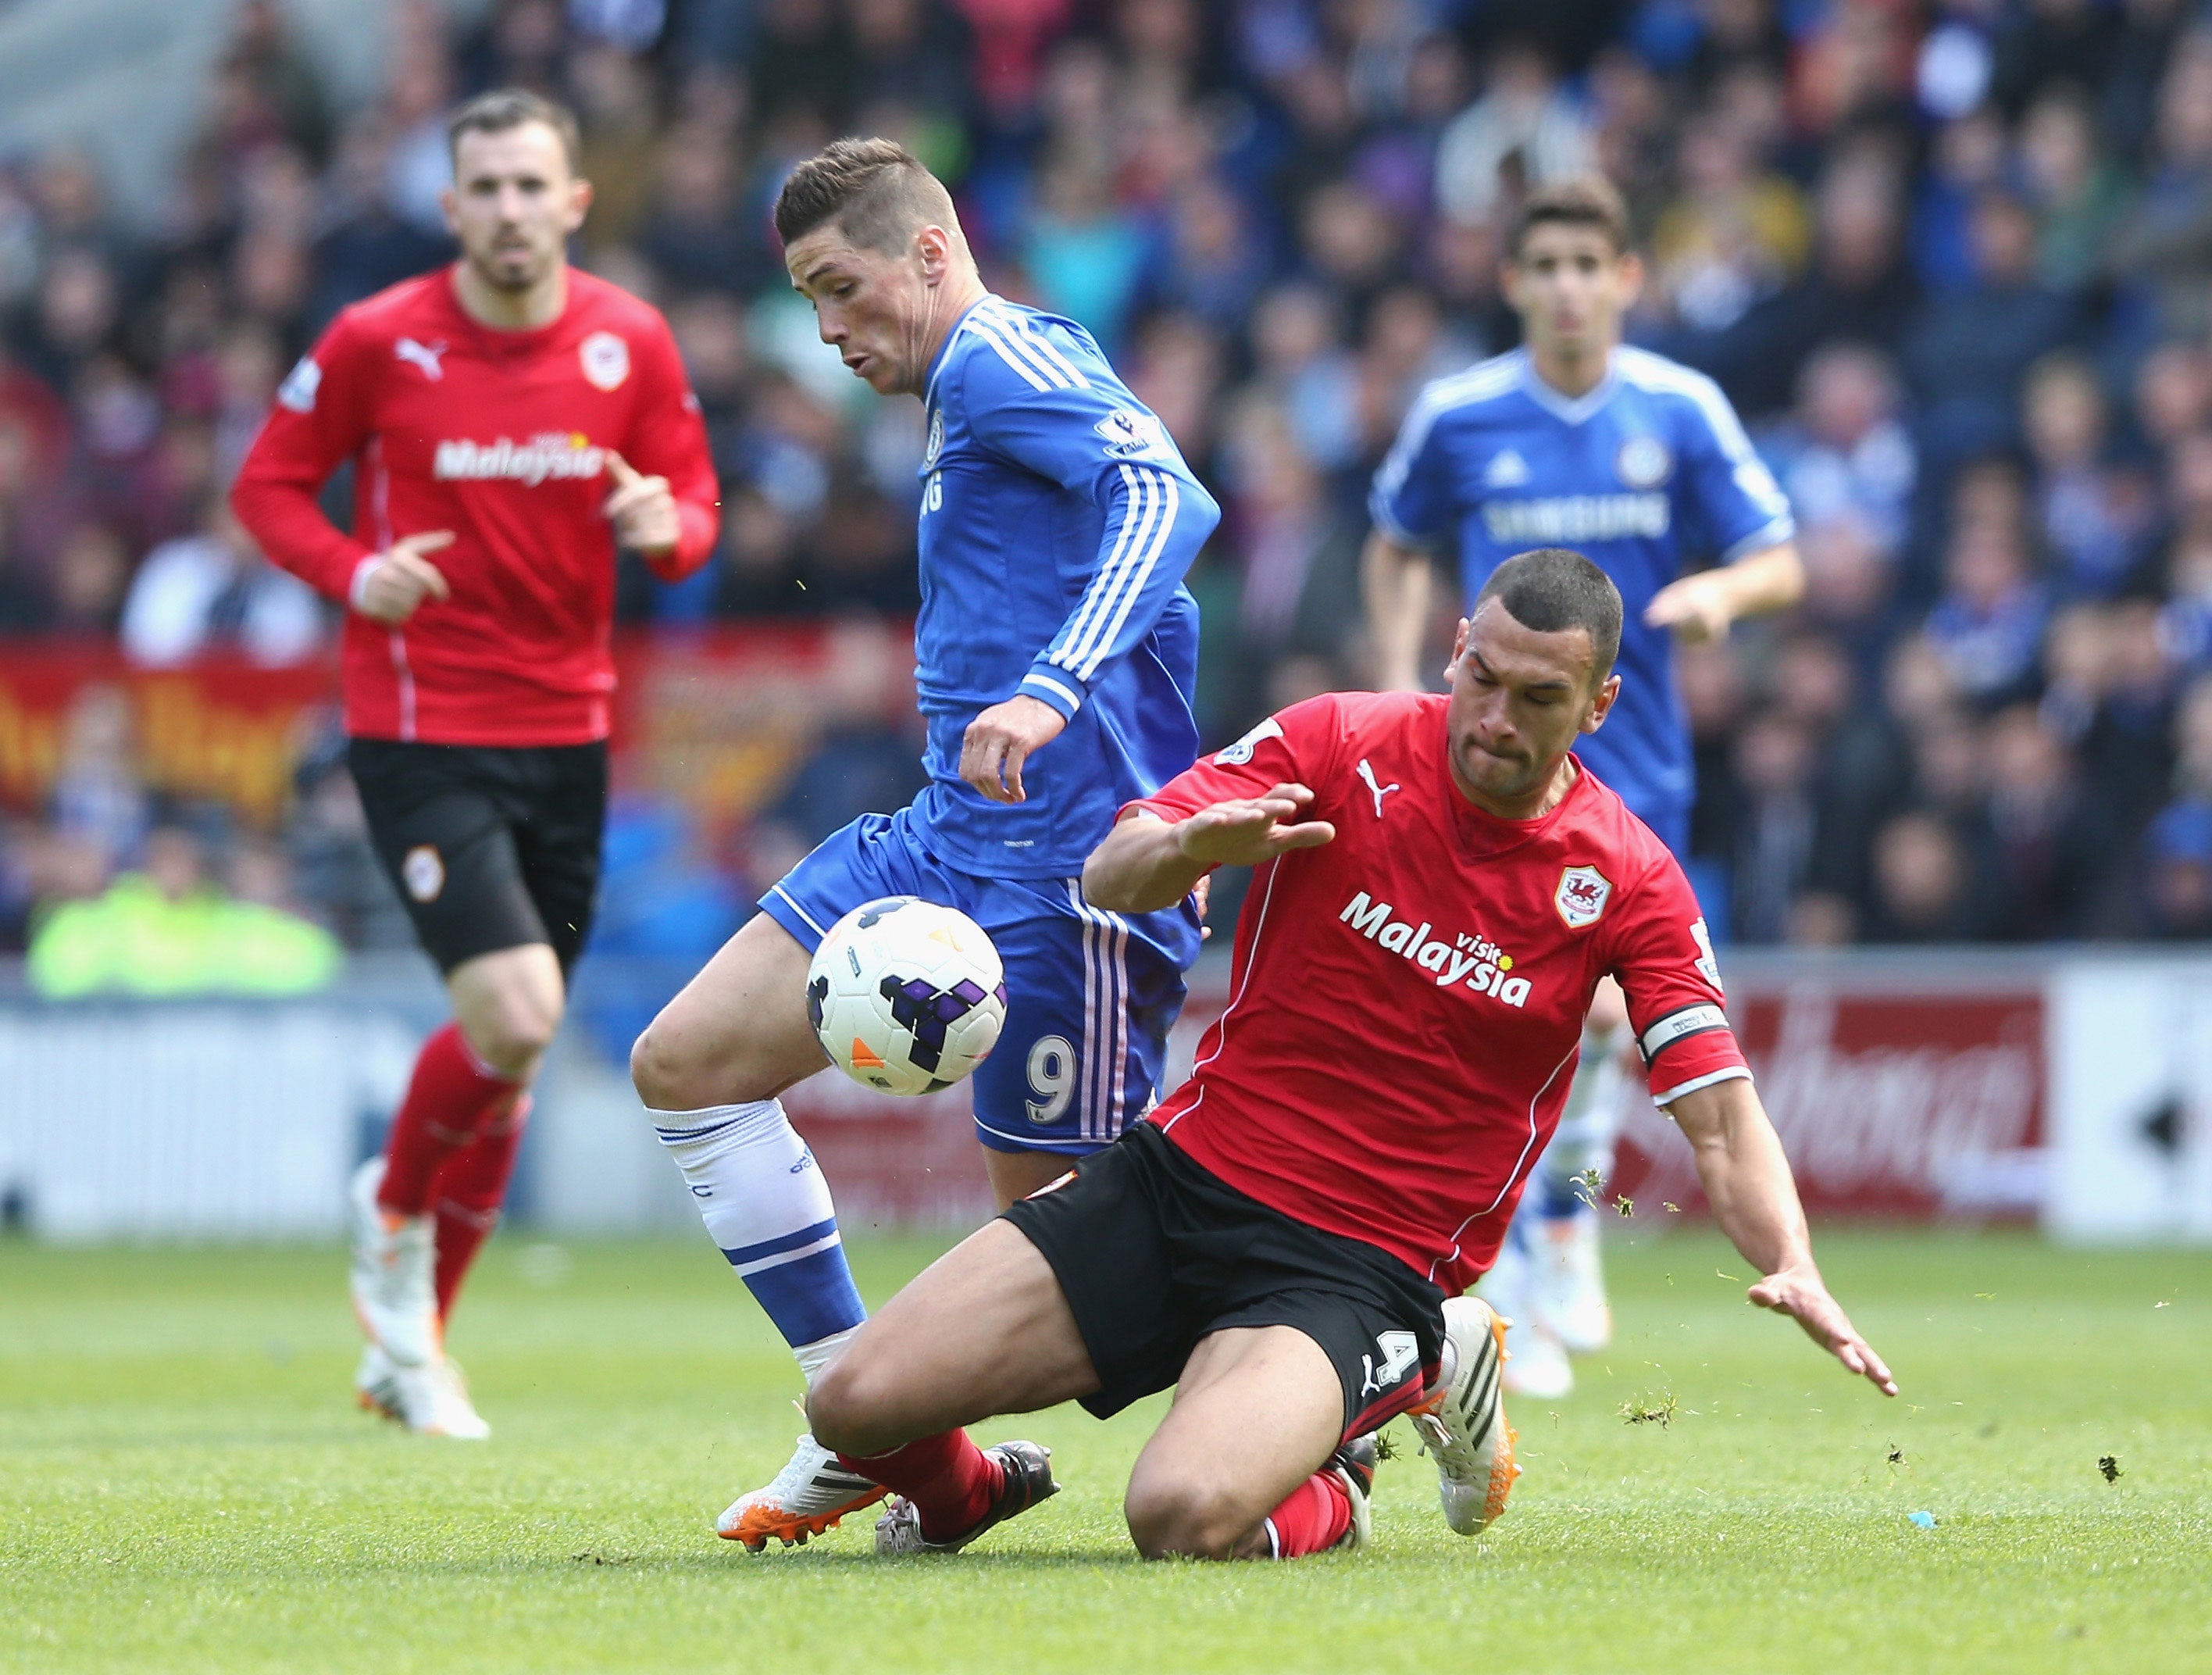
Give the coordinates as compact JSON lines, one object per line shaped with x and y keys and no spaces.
{"x":1380,"y":791}
{"x":425,"y":355}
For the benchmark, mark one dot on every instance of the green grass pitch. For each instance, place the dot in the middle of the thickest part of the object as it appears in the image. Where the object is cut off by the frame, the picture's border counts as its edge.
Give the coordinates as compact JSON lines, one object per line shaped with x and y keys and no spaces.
{"x":186,"y":1487}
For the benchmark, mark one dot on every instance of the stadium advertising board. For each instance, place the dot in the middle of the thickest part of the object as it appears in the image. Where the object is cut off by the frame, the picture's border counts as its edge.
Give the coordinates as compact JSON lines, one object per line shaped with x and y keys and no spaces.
{"x":1956,"y":1084}
{"x":2131,"y":1098}
{"x":1889,"y":1101}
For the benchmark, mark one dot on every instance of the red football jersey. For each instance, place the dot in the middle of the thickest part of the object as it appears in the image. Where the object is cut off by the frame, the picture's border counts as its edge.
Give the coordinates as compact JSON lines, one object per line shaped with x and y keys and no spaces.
{"x":1406,"y":1001}
{"x":500,"y":437}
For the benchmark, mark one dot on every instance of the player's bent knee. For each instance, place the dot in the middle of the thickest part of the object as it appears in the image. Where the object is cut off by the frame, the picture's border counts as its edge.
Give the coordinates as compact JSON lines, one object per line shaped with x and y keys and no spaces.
{"x":527,"y":1032}
{"x":671,"y":1073}
{"x":1184,"y":1520}
{"x":677,"y":1065}
{"x":849,"y":1410}
{"x":511,"y":1039}
{"x":653,"y":1069}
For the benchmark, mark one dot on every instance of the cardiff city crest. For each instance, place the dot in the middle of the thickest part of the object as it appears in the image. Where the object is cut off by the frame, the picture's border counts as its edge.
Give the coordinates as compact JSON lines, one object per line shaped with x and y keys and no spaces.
{"x":605,"y":358}
{"x":1582,"y":896}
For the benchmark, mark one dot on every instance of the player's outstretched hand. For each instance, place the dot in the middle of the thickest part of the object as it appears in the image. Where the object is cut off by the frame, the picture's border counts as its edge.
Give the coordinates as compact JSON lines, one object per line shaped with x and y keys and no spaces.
{"x":1806,"y":1300}
{"x":1001,"y":739}
{"x":403,"y":578}
{"x":641,"y":509}
{"x":1696,"y":608}
{"x":1244,"y":831}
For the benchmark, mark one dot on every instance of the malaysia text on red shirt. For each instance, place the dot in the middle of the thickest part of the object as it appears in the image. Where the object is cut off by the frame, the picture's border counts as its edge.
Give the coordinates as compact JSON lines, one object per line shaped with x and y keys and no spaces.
{"x":1406,"y":1001}
{"x":500,"y":437}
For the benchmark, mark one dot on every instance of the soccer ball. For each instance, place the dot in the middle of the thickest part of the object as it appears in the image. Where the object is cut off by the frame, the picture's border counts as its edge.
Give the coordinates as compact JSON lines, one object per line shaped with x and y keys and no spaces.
{"x":907,"y":997}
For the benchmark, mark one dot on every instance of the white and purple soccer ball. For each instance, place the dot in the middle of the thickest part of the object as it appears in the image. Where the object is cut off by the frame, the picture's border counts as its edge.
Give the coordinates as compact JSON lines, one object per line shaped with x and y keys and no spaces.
{"x":907,"y":997}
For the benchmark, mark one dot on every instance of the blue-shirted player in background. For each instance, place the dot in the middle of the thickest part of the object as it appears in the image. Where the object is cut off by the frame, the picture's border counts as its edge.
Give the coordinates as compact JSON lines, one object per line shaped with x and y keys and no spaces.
{"x":1056,"y":651}
{"x":1577,"y":441}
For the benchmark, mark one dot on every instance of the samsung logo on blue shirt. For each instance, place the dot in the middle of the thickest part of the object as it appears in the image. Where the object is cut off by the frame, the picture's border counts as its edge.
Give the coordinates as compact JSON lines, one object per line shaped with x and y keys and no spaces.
{"x":1570,"y":518}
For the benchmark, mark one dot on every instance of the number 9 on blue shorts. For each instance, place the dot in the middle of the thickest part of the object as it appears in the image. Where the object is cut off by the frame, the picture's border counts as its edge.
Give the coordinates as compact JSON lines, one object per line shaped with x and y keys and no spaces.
{"x":1089,"y":994}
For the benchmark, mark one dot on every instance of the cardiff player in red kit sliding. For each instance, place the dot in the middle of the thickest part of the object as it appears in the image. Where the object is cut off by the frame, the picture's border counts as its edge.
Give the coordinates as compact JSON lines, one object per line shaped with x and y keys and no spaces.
{"x":1441,"y":887}
{"x":509,"y":422}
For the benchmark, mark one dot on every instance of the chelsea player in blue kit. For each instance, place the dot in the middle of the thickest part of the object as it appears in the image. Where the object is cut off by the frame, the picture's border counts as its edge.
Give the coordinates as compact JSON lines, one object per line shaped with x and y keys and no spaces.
{"x":1577,"y":441}
{"x":1056,"y":650}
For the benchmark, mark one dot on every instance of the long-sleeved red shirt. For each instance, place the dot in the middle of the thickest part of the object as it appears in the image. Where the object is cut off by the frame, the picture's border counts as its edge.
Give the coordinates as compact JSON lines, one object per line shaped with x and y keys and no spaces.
{"x":502,"y":438}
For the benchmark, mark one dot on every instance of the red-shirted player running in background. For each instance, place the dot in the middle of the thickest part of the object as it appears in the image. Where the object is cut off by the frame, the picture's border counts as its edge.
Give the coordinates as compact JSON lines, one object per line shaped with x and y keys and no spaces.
{"x":509,"y":420}
{"x":1441,"y":888}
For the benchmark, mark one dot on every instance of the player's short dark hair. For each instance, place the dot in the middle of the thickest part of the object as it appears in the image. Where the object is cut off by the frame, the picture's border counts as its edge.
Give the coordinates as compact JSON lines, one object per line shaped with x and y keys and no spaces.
{"x":1554,"y":588}
{"x":876,"y":191}
{"x":1581,"y":200}
{"x":502,"y":108}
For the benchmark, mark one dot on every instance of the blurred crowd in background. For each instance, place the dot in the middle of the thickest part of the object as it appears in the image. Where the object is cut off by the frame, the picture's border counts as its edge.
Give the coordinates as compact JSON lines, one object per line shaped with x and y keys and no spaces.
{"x":1952,"y":260}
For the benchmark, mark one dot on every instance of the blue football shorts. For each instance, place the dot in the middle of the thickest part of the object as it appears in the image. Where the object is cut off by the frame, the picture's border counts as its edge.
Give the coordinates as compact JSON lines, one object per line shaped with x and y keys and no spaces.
{"x":1089,"y":994}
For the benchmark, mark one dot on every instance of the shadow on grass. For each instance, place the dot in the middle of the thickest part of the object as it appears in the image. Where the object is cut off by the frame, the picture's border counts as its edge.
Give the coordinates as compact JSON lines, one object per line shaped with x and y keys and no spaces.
{"x":613,"y":1560}
{"x":852,"y":1561}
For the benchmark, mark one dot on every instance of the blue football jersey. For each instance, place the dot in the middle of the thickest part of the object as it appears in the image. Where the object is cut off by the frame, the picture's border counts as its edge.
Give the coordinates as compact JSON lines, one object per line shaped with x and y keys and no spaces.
{"x":1647,"y":470}
{"x":1058,"y":519}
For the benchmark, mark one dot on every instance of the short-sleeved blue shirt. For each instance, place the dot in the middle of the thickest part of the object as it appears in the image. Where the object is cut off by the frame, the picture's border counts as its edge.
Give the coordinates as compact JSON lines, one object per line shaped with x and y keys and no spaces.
{"x":1647,"y":469}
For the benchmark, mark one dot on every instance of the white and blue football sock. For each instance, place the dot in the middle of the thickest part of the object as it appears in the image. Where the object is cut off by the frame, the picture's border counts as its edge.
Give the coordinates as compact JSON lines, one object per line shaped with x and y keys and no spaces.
{"x":1576,"y":1164}
{"x":767,"y":1210}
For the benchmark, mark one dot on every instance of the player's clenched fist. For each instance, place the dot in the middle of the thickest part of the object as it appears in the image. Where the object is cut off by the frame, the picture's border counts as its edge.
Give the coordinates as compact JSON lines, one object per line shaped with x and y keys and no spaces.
{"x":998,"y":741}
{"x":641,"y":509}
{"x":390,"y":589}
{"x":1244,"y":831}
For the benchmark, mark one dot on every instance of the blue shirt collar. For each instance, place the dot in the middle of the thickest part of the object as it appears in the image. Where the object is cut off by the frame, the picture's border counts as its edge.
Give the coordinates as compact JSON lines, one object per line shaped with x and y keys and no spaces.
{"x":1571,"y":409}
{"x":937,"y":361}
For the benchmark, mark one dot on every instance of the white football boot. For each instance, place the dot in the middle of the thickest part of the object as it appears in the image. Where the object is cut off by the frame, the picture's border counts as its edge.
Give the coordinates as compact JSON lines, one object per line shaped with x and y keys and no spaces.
{"x":1536,"y":1364}
{"x":376,"y":1384}
{"x":394,"y":1278}
{"x":809,"y":1496}
{"x":1566,"y":1291}
{"x":442,"y":1402}
{"x":1463,"y":1425}
{"x":430,"y":1401}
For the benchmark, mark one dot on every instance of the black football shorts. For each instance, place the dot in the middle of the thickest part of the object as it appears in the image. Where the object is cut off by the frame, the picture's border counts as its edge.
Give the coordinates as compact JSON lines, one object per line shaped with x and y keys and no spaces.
{"x":491,"y":847}
{"x":1154,"y":1252}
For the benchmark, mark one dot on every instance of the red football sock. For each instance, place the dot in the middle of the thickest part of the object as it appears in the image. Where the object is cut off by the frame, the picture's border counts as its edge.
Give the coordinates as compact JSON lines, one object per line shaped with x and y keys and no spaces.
{"x":950,"y":1480}
{"x":448,"y":1098}
{"x":1312,"y":1517}
{"x":467,"y":1191}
